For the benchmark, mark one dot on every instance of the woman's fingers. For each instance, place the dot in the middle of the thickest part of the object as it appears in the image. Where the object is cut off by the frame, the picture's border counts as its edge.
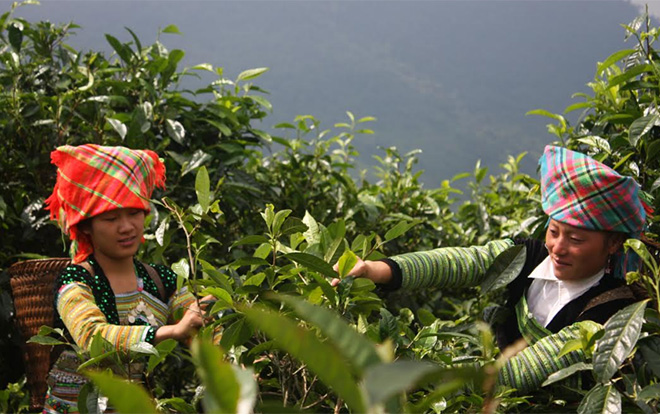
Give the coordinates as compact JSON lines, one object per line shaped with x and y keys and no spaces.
{"x":359,"y":270}
{"x":206,"y":301}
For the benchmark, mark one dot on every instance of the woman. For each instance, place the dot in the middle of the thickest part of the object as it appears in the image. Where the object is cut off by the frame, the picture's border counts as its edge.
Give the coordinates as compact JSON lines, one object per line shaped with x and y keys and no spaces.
{"x":576,"y":275}
{"x":100,"y":201}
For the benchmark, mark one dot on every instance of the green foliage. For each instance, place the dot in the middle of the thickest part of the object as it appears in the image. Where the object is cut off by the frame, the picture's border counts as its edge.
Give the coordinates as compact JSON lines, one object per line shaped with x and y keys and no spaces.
{"x":621,"y":333}
{"x":321,"y":358}
{"x":312,"y":357}
{"x":349,"y":362}
{"x":53,"y":95}
{"x":504,"y":269}
{"x":127,"y":397}
{"x":14,"y":398}
{"x":601,"y":399}
{"x":228,"y":388}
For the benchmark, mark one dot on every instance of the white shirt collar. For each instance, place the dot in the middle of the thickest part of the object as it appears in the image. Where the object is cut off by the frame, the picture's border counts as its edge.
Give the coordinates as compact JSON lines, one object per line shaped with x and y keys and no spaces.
{"x":545,"y":271}
{"x":547,"y":295}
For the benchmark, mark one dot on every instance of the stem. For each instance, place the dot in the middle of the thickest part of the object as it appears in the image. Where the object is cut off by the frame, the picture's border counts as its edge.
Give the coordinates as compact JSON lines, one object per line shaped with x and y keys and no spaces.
{"x":273,"y":242}
{"x":340,"y":402}
{"x":278,"y":364}
{"x":321,"y":399}
{"x":191,"y":258}
{"x":657,"y":293}
{"x":302,"y":277}
{"x":648,"y":43}
{"x":308,"y":388}
{"x":62,"y":129}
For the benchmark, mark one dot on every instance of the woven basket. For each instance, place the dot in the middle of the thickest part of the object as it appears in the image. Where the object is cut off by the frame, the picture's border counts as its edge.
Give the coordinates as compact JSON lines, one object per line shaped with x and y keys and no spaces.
{"x":32,"y":283}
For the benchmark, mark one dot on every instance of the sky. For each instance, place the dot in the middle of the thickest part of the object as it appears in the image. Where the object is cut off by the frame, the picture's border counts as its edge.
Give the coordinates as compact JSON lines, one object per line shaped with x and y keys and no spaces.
{"x":653,"y":6}
{"x":452,"y":78}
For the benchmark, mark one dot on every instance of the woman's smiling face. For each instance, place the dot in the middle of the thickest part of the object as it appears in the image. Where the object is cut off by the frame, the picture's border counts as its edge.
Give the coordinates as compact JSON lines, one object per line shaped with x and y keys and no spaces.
{"x":578,"y":253}
{"x":118,"y":233}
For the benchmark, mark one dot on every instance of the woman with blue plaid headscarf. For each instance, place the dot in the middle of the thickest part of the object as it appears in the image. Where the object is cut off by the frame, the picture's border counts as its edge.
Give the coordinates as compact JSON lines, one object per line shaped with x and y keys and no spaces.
{"x":575,"y":275}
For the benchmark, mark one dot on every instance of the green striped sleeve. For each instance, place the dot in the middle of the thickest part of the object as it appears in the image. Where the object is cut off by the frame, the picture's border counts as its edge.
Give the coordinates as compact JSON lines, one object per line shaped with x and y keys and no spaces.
{"x":527,"y":370}
{"x":449,"y":266}
{"x":529,"y":327}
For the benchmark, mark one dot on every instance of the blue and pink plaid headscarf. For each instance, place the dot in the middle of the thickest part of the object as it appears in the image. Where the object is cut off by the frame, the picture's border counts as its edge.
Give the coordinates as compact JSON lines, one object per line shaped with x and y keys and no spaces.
{"x":582,"y":192}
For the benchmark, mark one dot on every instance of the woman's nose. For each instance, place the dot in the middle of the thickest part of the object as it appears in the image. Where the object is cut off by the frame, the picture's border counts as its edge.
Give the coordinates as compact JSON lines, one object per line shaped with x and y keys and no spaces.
{"x":558,"y":246}
{"x":124,"y":224}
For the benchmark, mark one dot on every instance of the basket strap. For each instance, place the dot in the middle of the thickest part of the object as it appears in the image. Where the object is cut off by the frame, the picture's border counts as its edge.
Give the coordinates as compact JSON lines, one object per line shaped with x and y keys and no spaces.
{"x":153,"y":274}
{"x":88,"y":266}
{"x":622,"y":292}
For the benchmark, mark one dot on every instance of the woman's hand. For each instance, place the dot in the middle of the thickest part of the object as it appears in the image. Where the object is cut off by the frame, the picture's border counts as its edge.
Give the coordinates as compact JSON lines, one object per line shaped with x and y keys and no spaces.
{"x":191,"y":321}
{"x":376,"y":271}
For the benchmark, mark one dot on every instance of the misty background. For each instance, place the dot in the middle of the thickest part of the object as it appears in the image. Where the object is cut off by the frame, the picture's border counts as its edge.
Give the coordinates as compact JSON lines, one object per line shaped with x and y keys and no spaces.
{"x":452,"y":78}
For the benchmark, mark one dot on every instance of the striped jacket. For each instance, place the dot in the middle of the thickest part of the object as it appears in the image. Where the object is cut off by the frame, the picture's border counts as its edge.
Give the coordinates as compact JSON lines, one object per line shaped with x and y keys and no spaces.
{"x":467,"y":266}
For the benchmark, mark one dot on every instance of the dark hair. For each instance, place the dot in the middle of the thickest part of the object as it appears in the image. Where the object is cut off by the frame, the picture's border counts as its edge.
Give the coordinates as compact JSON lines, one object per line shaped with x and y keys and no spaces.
{"x":85,"y":226}
{"x":614,"y":235}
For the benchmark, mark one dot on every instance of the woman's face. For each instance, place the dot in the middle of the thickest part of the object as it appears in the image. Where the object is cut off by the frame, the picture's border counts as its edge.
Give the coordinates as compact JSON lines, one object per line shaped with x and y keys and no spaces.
{"x":117,"y":234}
{"x":578,"y":253}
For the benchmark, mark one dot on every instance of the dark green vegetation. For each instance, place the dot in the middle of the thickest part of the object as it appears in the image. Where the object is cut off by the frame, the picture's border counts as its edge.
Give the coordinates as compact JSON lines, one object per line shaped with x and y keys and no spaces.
{"x":260,"y":232}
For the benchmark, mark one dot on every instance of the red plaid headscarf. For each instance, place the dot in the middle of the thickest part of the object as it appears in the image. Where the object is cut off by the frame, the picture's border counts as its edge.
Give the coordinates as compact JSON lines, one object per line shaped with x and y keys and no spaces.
{"x":582,"y":192}
{"x":93,"y":179}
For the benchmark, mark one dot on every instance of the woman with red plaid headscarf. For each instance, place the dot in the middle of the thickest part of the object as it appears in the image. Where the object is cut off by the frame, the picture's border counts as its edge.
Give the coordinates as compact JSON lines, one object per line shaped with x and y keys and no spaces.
{"x":575,"y":275}
{"x":100,"y":201}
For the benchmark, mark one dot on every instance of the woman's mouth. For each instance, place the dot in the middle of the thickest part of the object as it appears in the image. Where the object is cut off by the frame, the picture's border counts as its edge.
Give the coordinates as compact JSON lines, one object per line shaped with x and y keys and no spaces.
{"x":127,"y":242}
{"x":560,"y":263}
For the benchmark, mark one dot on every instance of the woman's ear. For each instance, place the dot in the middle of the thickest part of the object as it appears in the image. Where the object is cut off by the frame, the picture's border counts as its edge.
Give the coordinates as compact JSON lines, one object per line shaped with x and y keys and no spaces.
{"x":85,"y":227}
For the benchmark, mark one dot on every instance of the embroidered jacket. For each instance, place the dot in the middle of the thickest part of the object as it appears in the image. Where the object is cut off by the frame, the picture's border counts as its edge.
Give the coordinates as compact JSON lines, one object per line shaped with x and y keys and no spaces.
{"x":86,"y":305}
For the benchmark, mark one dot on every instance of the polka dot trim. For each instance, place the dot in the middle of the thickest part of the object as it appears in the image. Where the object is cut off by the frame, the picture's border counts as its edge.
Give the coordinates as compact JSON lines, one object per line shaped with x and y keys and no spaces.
{"x":151,"y":335}
{"x":103,"y":295}
{"x":168,"y":278}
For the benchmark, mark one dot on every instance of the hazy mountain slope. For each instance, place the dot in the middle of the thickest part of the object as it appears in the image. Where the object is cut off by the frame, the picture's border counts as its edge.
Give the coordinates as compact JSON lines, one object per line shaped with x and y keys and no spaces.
{"x":451,"y":78}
